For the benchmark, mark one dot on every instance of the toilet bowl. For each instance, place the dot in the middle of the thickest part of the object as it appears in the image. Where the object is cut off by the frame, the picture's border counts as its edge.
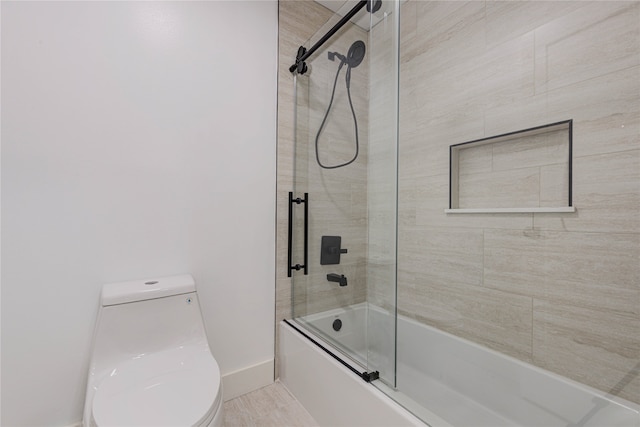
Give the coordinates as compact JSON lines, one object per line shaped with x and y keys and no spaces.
{"x":151,"y":364}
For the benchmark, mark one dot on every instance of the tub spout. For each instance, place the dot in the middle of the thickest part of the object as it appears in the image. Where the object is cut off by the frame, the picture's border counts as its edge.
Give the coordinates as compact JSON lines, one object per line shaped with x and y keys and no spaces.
{"x":338,"y":278}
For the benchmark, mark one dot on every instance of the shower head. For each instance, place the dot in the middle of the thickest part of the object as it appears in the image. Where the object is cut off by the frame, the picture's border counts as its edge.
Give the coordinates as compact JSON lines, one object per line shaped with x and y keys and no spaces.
{"x":354,"y":57}
{"x":374,"y":5}
{"x":356,"y":53}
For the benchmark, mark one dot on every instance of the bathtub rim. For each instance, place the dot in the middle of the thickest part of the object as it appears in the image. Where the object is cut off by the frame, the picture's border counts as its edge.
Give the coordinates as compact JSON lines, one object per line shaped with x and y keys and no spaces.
{"x":520,"y":364}
{"x":355,"y":388}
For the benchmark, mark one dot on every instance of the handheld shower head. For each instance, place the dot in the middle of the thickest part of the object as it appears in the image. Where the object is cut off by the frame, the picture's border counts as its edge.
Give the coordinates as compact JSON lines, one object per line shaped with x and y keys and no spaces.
{"x":354,"y":57}
{"x":356,"y":52}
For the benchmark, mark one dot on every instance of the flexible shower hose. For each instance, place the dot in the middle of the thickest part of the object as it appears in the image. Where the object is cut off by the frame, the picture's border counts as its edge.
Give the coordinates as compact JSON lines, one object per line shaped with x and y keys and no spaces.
{"x":355,"y":120}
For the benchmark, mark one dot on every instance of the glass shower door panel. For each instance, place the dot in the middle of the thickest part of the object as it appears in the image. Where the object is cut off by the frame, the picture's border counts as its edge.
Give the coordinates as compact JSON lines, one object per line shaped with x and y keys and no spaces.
{"x":382,"y":192}
{"x":331,"y":299}
{"x":347,"y":165}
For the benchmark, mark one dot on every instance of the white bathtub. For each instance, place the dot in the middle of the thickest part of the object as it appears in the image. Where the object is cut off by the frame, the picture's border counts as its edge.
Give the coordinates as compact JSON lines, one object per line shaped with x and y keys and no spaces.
{"x":333,"y":395}
{"x":447,"y":380}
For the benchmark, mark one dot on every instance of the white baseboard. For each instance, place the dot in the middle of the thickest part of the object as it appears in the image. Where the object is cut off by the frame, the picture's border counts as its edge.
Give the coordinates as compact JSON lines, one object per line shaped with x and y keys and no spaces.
{"x":248,"y":379}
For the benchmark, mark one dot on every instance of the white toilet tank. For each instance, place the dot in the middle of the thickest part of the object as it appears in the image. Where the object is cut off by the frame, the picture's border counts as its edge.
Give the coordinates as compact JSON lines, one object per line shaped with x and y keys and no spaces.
{"x":166,"y":314}
{"x":148,"y":325}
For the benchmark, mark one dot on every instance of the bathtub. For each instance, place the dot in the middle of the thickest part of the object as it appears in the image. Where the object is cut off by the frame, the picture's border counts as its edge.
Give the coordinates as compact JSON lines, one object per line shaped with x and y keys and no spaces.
{"x":443,"y":379}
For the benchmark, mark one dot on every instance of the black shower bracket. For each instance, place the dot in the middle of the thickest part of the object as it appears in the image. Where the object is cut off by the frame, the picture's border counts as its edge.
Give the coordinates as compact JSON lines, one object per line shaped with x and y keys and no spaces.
{"x":300,"y":66}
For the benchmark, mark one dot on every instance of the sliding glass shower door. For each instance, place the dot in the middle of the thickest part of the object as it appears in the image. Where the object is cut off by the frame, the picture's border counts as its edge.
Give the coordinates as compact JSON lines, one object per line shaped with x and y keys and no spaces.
{"x":346,"y":178}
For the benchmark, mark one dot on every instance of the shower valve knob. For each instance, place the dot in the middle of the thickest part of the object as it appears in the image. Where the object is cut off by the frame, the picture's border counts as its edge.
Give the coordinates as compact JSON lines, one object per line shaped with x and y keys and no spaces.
{"x":330,"y":250}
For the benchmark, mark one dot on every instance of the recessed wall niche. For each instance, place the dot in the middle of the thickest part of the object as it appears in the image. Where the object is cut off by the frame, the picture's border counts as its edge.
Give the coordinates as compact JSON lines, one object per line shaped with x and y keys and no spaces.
{"x":523,"y":171}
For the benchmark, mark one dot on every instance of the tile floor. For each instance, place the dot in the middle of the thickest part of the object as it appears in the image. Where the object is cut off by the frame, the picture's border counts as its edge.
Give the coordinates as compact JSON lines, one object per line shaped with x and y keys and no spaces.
{"x":270,"y":406}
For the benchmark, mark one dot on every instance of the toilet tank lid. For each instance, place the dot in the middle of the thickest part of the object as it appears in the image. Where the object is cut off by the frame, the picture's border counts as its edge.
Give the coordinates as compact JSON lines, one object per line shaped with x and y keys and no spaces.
{"x":141,"y":290}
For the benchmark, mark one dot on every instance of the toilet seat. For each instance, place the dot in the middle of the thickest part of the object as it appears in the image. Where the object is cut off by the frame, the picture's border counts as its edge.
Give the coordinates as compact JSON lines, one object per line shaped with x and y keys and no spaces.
{"x":178,"y":387}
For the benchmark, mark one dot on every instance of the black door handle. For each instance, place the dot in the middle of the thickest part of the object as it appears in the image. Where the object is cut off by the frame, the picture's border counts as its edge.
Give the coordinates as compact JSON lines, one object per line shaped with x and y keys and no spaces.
{"x":304,"y":266}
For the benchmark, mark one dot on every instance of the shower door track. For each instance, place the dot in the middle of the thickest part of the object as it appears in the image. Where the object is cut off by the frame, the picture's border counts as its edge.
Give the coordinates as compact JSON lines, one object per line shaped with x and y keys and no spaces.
{"x":303,"y":53}
{"x":366,"y":376}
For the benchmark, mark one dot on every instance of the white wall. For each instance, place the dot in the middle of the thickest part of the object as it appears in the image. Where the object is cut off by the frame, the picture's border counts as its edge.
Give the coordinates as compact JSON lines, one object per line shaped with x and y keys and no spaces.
{"x":0,"y":223}
{"x":138,"y":140}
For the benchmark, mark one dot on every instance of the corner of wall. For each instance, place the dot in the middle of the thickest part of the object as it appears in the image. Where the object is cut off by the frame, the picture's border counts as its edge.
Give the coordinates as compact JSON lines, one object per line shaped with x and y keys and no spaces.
{"x":248,"y":379}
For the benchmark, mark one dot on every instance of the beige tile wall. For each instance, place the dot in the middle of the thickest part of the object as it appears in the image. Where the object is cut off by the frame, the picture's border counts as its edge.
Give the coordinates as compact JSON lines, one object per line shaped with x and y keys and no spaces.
{"x":561,"y":291}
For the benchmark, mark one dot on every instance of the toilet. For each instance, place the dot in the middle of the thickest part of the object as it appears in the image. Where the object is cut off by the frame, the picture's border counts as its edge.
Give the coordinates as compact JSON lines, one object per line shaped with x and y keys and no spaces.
{"x":151,"y":364}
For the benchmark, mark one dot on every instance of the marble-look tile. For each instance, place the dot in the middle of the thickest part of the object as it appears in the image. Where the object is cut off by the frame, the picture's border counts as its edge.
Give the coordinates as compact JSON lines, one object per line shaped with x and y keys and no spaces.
{"x":407,"y":200}
{"x":440,"y":94}
{"x":449,"y":29}
{"x":409,"y":78}
{"x":491,"y":77}
{"x":509,"y":173}
{"x":424,"y":154}
{"x":432,"y":198}
{"x":507,"y":20}
{"x":300,"y":20}
{"x":514,"y":188}
{"x":593,"y":40}
{"x":322,"y":295}
{"x":606,"y":193}
{"x":495,"y":319}
{"x":522,"y":112}
{"x":605,"y":112}
{"x":270,"y":406}
{"x":424,"y":151}
{"x":409,"y":19}
{"x":299,"y":296}
{"x":595,"y":270}
{"x":381,"y":245}
{"x":505,"y":71}
{"x":381,"y":287}
{"x":442,"y":254}
{"x":524,"y":151}
{"x":475,"y":159}
{"x":601,"y":349}
{"x":612,"y":174}
{"x":554,"y":185}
